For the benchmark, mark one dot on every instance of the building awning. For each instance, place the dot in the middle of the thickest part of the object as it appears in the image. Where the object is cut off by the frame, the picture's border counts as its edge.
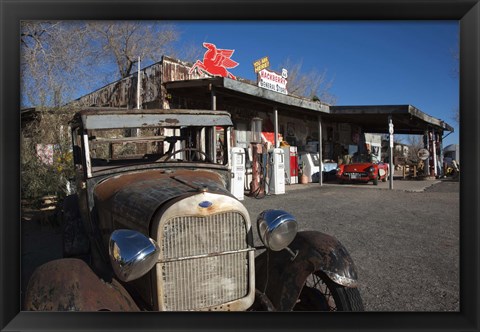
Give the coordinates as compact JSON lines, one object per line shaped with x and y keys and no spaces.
{"x":233,"y":91}
{"x":406,"y":119}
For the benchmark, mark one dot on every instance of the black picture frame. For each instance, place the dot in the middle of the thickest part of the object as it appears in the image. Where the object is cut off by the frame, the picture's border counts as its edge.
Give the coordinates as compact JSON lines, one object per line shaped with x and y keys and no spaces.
{"x":467,"y":12}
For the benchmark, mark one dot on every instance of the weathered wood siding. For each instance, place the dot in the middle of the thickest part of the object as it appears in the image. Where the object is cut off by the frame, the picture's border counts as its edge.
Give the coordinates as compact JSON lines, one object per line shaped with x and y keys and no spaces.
{"x":123,"y":93}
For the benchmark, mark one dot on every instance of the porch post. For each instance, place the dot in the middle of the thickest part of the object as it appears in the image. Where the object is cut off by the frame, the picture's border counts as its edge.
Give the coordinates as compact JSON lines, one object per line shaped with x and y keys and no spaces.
{"x":214,"y":131}
{"x":275,"y":116}
{"x":320,"y":152}
{"x":391,"y":169}
{"x":213,"y":97}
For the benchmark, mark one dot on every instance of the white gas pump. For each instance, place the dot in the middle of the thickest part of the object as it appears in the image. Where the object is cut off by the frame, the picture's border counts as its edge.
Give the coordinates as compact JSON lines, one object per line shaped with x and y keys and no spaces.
{"x":311,"y":164}
{"x":238,"y":172}
{"x":277,"y":178}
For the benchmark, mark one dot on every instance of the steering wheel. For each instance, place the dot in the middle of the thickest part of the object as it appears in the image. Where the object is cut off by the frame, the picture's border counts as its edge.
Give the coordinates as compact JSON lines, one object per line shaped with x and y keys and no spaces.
{"x":185,"y":150}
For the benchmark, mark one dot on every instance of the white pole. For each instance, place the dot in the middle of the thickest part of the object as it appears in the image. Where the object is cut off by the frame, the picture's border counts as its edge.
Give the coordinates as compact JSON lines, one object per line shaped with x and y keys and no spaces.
{"x":138,"y":85}
{"x":275,"y":129}
{"x":390,"y":156}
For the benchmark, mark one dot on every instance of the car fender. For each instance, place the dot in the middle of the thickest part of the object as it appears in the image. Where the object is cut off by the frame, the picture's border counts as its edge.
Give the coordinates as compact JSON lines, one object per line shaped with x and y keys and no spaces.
{"x":69,"y":284}
{"x":282,"y":279}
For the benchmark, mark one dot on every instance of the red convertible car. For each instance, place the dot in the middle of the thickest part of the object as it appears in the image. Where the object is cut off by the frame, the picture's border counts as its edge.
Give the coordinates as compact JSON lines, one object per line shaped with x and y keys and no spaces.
{"x":363,"y":168}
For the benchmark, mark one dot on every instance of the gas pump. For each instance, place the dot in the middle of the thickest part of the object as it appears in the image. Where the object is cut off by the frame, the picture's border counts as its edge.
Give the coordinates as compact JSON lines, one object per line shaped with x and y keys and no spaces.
{"x":277,"y":171}
{"x":311,"y":164}
{"x":257,"y":188}
{"x":238,"y":172}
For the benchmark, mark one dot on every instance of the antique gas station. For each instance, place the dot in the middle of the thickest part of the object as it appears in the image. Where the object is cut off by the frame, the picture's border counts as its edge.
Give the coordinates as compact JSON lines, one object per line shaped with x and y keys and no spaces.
{"x":275,"y":134}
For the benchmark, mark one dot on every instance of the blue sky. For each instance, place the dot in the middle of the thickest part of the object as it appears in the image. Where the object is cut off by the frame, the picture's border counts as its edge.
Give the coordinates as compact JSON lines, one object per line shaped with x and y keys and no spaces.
{"x":370,"y":63}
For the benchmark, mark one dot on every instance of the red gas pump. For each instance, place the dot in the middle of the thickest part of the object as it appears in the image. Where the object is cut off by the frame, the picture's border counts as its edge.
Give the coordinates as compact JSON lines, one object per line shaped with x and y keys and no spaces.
{"x":255,"y":186}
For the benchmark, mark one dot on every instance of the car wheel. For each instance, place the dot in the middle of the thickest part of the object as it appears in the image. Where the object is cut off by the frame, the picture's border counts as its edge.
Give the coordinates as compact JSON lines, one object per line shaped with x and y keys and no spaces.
{"x":321,"y":294}
{"x":375,"y":181}
{"x":385,"y":178}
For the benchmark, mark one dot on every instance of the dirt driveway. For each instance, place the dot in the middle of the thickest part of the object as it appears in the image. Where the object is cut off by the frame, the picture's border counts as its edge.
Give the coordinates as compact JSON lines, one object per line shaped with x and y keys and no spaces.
{"x":405,"y":243}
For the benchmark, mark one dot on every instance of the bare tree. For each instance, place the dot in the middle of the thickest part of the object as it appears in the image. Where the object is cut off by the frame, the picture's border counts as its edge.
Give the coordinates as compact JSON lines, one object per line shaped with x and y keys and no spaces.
{"x":123,"y":42}
{"x":312,"y":84}
{"x":62,"y":59}
{"x":415,"y":143}
{"x":54,"y":61}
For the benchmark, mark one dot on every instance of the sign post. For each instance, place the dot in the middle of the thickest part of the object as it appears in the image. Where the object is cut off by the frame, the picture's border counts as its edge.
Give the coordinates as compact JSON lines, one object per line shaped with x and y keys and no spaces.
{"x":390,"y":166}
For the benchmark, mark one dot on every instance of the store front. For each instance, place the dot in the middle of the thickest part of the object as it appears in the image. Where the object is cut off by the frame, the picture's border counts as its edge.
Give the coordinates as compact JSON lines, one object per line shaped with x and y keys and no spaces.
{"x":289,"y":122}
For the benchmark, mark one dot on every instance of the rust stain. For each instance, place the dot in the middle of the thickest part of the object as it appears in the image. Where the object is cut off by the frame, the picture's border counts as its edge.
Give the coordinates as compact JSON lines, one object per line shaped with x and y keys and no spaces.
{"x":316,"y":252}
{"x":73,"y":286}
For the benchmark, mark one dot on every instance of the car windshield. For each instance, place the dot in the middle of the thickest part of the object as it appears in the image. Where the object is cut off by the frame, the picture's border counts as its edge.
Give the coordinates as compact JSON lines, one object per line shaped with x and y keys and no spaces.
{"x":121,"y":147}
{"x":363,"y":158}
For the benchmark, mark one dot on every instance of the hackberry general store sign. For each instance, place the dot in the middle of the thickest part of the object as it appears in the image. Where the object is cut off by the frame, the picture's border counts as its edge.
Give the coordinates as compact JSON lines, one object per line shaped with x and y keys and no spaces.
{"x":273,"y":81}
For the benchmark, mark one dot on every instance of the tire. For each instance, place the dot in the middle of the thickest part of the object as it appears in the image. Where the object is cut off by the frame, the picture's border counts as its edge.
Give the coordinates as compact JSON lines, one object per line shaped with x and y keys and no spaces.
{"x":321,"y":294}
{"x":385,"y":178}
{"x":375,"y":181}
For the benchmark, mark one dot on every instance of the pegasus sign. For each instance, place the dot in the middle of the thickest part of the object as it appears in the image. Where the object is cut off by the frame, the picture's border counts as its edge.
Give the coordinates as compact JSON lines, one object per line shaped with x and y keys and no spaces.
{"x":215,"y":62}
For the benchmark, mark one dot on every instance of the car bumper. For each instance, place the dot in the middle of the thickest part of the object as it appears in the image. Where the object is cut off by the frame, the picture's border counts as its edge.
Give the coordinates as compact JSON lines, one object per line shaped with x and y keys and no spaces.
{"x":361,"y":177}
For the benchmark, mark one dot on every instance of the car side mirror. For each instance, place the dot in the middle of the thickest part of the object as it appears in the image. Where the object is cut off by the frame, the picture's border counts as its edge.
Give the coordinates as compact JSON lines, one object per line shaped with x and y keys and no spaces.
{"x":132,"y":254}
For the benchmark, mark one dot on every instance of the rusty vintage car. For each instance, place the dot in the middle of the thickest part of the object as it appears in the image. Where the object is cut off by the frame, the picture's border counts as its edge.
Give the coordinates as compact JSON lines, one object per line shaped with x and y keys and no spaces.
{"x":154,"y":227}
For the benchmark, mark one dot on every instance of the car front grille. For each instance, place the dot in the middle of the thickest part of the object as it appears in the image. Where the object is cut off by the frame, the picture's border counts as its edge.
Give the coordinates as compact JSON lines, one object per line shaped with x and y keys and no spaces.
{"x":204,"y":261}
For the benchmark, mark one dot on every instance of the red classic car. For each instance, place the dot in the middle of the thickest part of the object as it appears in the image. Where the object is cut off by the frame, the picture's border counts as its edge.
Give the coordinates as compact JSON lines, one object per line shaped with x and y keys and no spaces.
{"x":363,"y":168}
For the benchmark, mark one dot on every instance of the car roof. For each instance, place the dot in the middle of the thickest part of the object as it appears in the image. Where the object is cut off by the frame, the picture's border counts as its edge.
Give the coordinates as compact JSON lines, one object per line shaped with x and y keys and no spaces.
{"x":108,"y":118}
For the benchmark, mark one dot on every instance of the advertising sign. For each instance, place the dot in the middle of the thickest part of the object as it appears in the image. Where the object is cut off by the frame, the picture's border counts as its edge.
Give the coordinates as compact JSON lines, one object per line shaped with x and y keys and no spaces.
{"x":272,"y":81}
{"x":215,"y":62}
{"x":261,"y":64}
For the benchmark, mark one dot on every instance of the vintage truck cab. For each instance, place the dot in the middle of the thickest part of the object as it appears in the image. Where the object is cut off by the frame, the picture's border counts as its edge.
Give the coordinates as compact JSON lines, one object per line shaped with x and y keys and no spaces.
{"x":154,"y":227}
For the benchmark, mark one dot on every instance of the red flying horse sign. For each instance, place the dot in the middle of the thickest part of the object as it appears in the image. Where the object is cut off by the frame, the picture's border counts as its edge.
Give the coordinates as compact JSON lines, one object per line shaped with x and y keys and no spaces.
{"x":216,"y":62}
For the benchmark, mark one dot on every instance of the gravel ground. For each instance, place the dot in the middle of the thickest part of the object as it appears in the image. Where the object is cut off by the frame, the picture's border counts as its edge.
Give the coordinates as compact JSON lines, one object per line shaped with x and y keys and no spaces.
{"x":405,"y":244}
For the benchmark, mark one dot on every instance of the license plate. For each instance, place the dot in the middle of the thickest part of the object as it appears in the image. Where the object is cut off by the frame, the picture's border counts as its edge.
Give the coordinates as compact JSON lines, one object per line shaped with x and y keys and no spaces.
{"x":354,"y":175}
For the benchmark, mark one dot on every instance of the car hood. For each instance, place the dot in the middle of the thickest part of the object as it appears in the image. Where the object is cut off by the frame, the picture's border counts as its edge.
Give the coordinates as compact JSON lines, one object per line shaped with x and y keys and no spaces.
{"x":359,"y":167}
{"x":131,"y":200}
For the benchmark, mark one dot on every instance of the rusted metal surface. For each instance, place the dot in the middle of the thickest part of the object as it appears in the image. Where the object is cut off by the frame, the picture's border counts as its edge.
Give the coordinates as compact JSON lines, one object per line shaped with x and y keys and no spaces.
{"x":176,"y":70}
{"x":107,"y":118}
{"x":262,"y":302}
{"x":283,"y":279}
{"x":130,"y":200}
{"x":70,"y":285}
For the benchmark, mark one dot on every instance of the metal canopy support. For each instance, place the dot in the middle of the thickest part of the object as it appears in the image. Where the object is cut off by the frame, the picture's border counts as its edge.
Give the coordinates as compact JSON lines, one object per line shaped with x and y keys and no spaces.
{"x":214,"y":98}
{"x":433,"y":173}
{"x":426,"y":145}
{"x":320,"y":152}
{"x":275,"y":116}
{"x":390,"y":157}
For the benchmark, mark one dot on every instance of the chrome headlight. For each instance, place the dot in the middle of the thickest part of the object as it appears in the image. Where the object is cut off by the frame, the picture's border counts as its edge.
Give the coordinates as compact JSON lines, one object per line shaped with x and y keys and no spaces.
{"x":132,"y":254}
{"x":276,"y":228}
{"x":371,"y":169}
